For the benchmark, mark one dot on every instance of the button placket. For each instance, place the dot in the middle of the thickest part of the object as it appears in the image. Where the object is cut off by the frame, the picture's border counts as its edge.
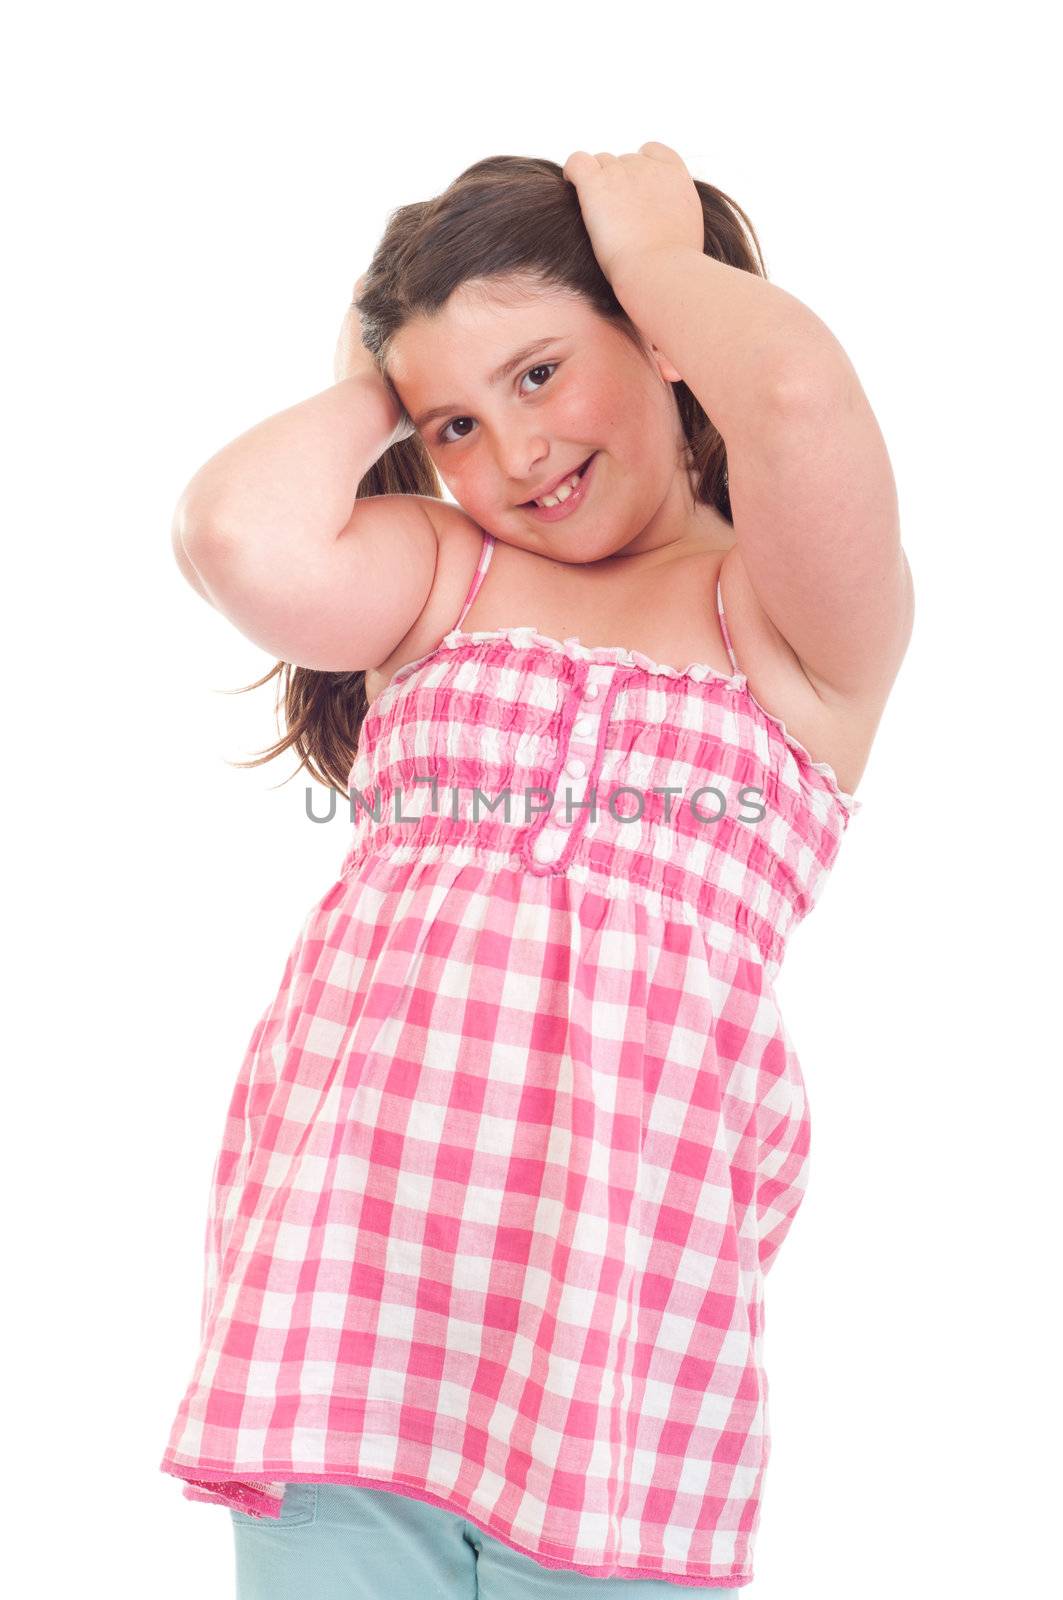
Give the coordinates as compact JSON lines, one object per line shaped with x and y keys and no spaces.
{"x":558,"y":828}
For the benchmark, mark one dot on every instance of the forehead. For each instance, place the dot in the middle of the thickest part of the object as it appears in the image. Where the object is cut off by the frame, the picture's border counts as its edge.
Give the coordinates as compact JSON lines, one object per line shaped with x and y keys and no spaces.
{"x":480,"y":325}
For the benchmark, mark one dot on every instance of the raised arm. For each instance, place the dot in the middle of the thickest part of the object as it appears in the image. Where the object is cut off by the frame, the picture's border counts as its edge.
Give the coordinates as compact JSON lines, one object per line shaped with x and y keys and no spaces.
{"x":270,"y":533}
{"x":812,"y":490}
{"x":812,"y":494}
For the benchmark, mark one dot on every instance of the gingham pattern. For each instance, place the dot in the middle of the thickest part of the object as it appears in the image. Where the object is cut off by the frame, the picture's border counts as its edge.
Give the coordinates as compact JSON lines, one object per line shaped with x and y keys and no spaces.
{"x":515,"y":1144}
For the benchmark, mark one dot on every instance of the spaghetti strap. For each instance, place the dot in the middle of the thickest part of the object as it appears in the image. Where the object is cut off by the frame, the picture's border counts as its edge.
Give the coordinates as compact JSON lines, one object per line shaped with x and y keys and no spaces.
{"x":724,"y":628}
{"x":482,"y":565}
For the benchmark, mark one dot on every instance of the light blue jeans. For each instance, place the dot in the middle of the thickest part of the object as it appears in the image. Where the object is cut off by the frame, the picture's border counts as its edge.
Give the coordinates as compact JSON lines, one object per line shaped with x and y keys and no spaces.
{"x":341,"y":1541}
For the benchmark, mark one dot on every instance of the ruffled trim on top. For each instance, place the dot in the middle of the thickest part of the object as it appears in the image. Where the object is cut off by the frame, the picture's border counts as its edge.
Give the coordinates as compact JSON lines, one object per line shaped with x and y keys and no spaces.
{"x":599,"y":655}
{"x":527,"y":636}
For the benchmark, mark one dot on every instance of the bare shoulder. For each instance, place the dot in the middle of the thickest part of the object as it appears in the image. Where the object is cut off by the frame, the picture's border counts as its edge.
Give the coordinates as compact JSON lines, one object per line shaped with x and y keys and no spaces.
{"x":459,"y":542}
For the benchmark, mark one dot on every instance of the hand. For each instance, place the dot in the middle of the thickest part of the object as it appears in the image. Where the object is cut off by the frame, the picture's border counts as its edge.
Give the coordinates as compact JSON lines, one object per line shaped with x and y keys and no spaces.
{"x":351,"y":354}
{"x":352,"y":358}
{"x":634,"y":204}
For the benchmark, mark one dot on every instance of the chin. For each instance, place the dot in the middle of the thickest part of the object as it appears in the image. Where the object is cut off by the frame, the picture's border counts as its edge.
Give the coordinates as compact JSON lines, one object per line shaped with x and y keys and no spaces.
{"x":581,"y":552}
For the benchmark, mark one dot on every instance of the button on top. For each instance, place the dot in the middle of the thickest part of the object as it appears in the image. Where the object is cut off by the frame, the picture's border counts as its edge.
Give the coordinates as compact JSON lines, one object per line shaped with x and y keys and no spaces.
{"x":557,"y":831}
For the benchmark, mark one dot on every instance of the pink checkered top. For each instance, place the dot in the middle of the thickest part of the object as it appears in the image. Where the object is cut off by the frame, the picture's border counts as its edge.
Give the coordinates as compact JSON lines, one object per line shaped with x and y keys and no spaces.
{"x":519,"y":1136}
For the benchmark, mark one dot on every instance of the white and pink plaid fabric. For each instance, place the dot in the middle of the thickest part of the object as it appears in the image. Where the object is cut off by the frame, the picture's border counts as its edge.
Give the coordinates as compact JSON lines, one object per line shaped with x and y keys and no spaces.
{"x":515,"y":1144}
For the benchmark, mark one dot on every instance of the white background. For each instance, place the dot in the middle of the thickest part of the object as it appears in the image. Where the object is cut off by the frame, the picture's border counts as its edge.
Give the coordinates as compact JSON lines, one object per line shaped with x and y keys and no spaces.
{"x":191,"y":192}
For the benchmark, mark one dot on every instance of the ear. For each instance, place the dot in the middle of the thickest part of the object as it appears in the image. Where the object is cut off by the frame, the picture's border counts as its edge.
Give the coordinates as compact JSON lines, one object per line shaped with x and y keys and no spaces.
{"x":665,"y":367}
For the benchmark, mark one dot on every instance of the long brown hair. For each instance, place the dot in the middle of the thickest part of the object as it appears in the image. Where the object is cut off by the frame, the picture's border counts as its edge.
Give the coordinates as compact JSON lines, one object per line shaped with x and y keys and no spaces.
{"x":506,"y":216}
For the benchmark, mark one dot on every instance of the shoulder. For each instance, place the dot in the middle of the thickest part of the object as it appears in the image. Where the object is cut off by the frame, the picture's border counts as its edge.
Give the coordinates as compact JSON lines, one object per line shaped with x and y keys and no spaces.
{"x":459,"y":537}
{"x":459,"y":545}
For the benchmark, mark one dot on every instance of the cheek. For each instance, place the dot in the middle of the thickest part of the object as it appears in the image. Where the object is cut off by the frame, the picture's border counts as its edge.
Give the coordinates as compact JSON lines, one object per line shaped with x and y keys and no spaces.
{"x":467,"y":482}
{"x":584,"y":414}
{"x":466,"y":476}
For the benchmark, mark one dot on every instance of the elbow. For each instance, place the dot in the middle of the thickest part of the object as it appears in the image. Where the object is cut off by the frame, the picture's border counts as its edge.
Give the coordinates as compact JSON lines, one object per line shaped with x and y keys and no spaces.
{"x":813,"y":372}
{"x":191,"y":550}
{"x":808,"y":390}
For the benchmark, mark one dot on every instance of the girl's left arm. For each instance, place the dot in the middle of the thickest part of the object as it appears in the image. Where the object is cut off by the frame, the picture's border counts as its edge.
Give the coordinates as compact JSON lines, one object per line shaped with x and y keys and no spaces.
{"x":812,"y":490}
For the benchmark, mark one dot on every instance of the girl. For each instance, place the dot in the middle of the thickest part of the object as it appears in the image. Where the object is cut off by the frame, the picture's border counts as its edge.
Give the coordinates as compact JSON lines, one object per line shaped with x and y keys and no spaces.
{"x":516,"y":1143}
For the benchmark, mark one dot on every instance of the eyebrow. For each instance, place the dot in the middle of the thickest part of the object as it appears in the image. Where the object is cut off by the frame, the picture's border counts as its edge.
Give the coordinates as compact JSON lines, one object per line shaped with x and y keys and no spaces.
{"x":496,"y":377}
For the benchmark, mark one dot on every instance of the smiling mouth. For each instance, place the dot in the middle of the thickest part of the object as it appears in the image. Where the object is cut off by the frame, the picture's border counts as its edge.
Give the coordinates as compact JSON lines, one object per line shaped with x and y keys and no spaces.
{"x":581,"y":469}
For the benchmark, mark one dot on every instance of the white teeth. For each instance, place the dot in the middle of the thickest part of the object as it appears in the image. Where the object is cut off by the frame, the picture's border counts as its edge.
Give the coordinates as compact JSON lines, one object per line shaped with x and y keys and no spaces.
{"x":561,"y":493}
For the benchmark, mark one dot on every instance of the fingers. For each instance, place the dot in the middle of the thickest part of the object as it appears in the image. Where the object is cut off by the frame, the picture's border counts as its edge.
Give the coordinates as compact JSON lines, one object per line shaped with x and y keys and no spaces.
{"x":581,"y":163}
{"x":578,"y":163}
{"x":660,"y":151}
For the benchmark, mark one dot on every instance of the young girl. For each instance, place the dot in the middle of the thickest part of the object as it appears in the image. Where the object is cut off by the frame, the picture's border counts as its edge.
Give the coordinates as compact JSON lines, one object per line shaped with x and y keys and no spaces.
{"x":516,"y":1143}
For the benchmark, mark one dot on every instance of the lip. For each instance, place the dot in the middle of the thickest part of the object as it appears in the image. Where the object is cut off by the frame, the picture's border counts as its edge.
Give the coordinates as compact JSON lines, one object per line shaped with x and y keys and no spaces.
{"x":574,"y":501}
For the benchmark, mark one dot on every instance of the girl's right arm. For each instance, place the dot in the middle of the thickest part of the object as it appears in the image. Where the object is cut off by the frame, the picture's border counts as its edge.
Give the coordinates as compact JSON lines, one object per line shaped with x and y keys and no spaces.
{"x":269,"y":531}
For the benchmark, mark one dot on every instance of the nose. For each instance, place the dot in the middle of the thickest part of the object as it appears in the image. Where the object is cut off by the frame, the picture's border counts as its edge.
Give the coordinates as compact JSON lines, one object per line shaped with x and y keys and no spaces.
{"x":521,"y":460}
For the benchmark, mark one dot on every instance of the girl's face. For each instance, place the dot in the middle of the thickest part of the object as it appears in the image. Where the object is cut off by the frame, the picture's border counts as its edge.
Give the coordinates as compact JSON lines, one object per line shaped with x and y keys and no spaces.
{"x":574,"y":386}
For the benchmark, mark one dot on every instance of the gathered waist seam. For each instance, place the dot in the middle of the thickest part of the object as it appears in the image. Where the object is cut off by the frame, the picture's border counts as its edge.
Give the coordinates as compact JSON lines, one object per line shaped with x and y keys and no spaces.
{"x":725,"y":920}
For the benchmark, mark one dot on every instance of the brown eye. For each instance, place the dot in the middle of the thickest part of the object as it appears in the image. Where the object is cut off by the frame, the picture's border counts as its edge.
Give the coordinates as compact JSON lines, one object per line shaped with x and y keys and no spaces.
{"x":549,"y":367}
{"x":443,"y":432}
